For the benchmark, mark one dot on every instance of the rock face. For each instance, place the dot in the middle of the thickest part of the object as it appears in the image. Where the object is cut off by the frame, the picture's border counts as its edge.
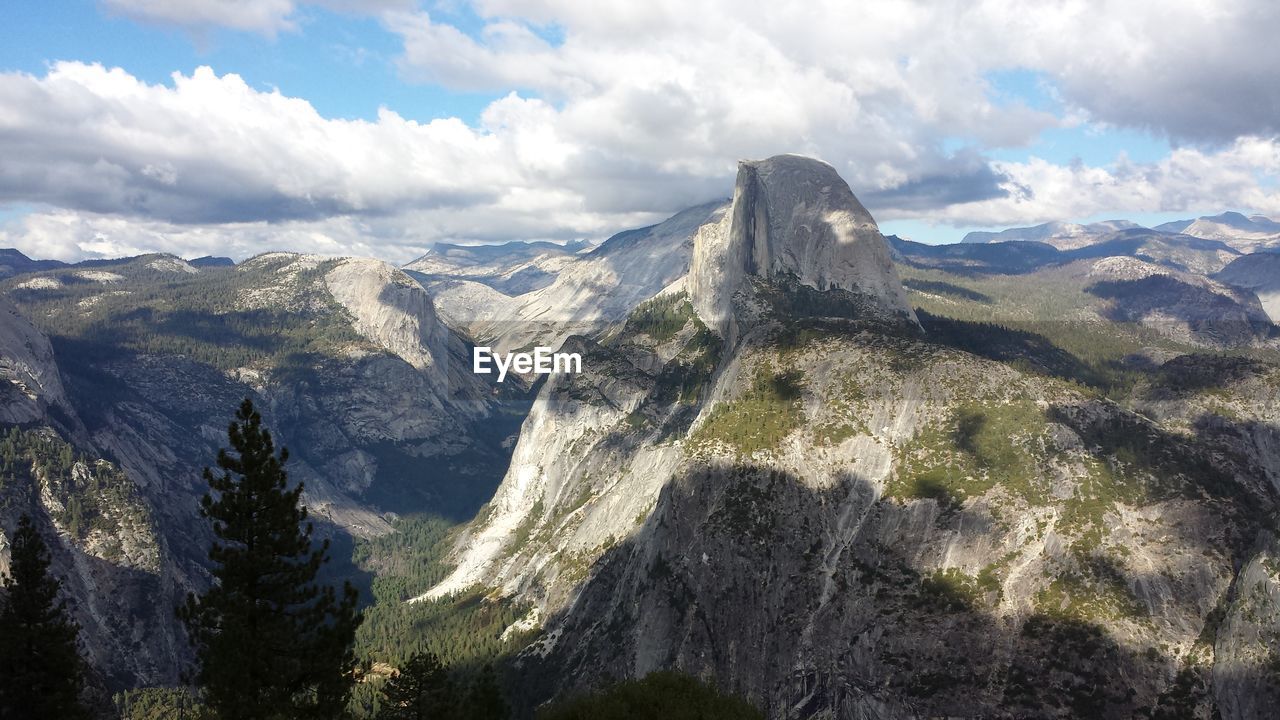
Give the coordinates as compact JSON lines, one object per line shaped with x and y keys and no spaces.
{"x":791,"y":216}
{"x":103,"y":542}
{"x":1259,"y":272}
{"x":579,"y":294}
{"x":767,"y":477}
{"x":29,"y":381}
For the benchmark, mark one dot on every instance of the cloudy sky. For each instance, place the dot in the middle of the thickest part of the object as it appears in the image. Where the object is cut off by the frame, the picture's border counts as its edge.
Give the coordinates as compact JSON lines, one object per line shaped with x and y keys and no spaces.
{"x":377,"y":127}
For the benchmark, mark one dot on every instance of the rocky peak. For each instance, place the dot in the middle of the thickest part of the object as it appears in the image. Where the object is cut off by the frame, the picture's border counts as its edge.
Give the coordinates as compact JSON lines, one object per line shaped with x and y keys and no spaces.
{"x":791,"y":216}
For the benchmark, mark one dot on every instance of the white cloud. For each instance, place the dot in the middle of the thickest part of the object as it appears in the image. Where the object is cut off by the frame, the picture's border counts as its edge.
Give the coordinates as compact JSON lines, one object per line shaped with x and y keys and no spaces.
{"x":1186,"y":180}
{"x":616,"y":112}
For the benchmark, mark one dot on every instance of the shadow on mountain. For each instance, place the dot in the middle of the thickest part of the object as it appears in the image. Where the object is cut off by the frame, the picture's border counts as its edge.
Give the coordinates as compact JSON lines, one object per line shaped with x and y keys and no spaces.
{"x":1195,"y":372}
{"x":937,"y":287}
{"x":1209,"y":317}
{"x":746,"y":574}
{"x":1024,"y":349}
{"x":827,"y":599}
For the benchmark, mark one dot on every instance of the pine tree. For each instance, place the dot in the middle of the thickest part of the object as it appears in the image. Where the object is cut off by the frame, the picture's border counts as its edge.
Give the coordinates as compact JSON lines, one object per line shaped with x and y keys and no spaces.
{"x":421,"y":691}
{"x":41,"y":672}
{"x":271,"y":642}
{"x":484,"y":699}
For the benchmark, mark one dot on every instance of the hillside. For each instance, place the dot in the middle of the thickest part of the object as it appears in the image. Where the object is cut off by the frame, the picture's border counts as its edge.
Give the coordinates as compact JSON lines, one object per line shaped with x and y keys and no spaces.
{"x":836,"y":512}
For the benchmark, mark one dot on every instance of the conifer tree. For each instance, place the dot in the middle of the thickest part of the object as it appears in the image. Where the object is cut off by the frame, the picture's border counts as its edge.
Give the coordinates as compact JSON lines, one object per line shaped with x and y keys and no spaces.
{"x":272,"y":643}
{"x":421,"y":691}
{"x":484,"y":698}
{"x":41,"y":672}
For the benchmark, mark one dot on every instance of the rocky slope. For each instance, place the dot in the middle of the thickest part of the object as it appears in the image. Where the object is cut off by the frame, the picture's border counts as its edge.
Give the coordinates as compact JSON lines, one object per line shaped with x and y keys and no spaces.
{"x":1259,"y":272}
{"x":144,"y":363}
{"x":772,"y":477}
{"x":1246,"y":234}
{"x":589,"y":292}
{"x":103,"y":541}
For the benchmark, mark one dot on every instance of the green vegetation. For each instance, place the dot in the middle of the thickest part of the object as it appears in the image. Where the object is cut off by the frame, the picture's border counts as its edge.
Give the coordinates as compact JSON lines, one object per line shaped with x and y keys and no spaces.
{"x":423,"y":690}
{"x":41,"y":672}
{"x":681,"y":381}
{"x":660,"y":318}
{"x":1095,"y":590}
{"x":1066,"y":664}
{"x":659,"y":696}
{"x":760,"y":418}
{"x":980,"y":447}
{"x":202,"y":316}
{"x":463,"y":631}
{"x":948,"y":591}
{"x":845,"y":401}
{"x":94,"y":494}
{"x":747,"y":508}
{"x":160,"y":704}
{"x":270,"y":640}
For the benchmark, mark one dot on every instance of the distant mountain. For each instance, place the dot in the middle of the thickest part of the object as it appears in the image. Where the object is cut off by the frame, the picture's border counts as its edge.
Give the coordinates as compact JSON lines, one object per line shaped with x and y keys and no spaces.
{"x":1062,"y":235}
{"x":1235,"y":221}
{"x":1259,"y":272}
{"x":13,"y":262}
{"x":512,"y":268}
{"x":1247,"y":234}
{"x":462,"y":256}
{"x":1173,"y":251}
{"x":553,"y":295}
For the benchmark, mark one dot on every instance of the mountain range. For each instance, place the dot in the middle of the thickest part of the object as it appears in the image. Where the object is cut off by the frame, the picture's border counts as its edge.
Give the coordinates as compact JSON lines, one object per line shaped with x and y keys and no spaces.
{"x":842,"y":475}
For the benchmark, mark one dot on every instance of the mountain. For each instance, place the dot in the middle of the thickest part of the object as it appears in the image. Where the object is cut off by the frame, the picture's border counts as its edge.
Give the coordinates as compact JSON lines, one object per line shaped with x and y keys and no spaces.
{"x":1176,"y":252}
{"x":1062,"y":235}
{"x":795,"y":218}
{"x":580,"y":293}
{"x":121,"y":380}
{"x":1259,"y":272}
{"x":771,"y":475}
{"x":840,"y":475}
{"x":1246,"y":234}
{"x":13,"y":262}
{"x":510,"y":268}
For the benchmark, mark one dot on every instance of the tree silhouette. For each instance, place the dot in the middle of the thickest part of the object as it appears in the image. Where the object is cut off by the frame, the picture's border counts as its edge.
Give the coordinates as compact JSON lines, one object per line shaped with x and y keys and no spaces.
{"x":41,"y":673}
{"x":272,"y":643}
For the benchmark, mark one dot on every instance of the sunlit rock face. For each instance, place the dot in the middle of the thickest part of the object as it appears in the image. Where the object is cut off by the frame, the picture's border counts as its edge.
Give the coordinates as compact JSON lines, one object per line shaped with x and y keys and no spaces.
{"x":792,"y":216}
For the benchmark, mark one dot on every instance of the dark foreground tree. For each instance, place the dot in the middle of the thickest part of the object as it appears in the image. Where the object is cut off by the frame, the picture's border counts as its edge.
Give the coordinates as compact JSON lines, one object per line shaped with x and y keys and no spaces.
{"x":484,"y":698}
{"x":41,"y":673}
{"x":420,"y":691}
{"x":272,"y":643}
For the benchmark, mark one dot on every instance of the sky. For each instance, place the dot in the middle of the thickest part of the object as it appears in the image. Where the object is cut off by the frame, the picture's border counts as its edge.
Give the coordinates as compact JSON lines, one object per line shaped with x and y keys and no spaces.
{"x":378,"y":127}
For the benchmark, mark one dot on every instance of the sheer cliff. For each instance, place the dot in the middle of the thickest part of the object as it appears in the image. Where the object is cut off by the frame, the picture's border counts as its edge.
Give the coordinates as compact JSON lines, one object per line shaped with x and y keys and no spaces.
{"x":771,"y":475}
